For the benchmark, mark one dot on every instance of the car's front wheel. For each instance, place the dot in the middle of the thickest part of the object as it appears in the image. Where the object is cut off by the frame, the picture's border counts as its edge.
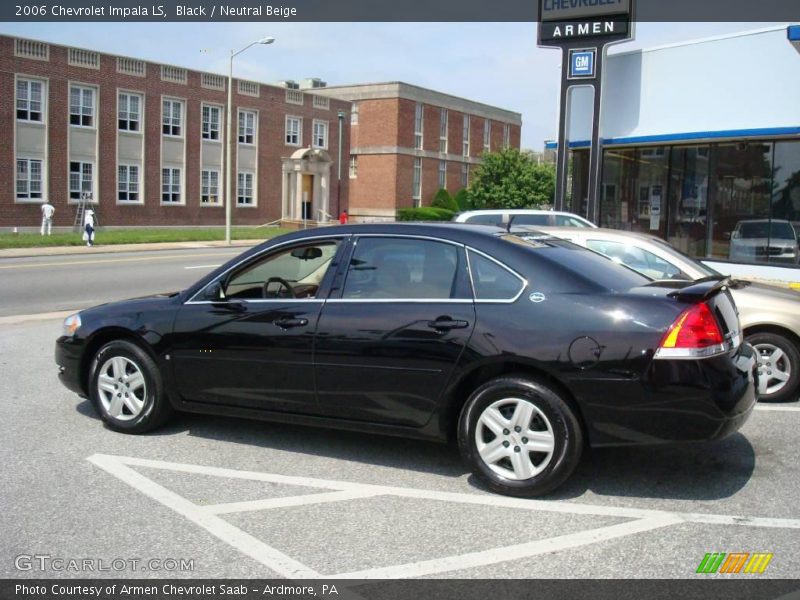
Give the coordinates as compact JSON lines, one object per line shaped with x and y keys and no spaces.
{"x":778,"y":367}
{"x":519,"y":436}
{"x":126,"y":390}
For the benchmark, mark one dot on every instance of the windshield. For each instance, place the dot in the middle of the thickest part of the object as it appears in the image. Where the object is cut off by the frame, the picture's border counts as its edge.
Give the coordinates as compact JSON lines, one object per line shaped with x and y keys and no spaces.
{"x":762,"y":229}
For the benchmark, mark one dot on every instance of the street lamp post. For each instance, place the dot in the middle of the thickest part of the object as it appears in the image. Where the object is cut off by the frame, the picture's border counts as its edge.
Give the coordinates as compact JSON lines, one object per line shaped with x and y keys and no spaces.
{"x":228,"y":184}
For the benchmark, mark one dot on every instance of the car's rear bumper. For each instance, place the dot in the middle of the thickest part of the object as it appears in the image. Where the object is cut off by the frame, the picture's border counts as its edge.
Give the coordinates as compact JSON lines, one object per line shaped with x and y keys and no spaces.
{"x":675,"y":401}
{"x":69,"y":351}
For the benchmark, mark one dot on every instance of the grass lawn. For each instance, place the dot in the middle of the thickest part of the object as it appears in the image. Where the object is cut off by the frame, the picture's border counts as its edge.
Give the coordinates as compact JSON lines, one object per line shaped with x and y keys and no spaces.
{"x":137,"y":236}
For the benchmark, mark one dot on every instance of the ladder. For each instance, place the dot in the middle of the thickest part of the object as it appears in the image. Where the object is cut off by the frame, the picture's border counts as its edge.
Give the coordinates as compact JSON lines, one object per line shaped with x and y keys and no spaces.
{"x":80,"y":213}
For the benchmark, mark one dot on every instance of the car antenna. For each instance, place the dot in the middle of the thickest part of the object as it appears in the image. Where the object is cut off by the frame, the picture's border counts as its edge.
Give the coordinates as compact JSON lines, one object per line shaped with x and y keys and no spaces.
{"x":510,"y":222}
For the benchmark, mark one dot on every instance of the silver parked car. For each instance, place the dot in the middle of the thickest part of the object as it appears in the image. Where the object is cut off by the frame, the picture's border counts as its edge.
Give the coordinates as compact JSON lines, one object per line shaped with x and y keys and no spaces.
{"x":762,"y":240}
{"x":770,"y":315}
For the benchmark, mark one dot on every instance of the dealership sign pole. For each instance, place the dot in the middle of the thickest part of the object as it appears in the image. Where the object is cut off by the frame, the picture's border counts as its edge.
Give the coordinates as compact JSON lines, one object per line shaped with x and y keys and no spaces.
{"x":583,"y":31}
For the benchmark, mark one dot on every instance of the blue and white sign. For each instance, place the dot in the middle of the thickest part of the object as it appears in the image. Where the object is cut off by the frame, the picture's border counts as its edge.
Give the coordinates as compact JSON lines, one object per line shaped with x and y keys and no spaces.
{"x":582,"y":64}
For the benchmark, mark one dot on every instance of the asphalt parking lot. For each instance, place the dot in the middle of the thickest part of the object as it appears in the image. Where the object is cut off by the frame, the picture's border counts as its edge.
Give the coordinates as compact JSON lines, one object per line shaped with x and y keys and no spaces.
{"x":250,"y":499}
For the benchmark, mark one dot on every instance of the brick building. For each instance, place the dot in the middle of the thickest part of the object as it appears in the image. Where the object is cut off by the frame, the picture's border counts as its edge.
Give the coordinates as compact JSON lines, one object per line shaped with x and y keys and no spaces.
{"x":407,"y":142}
{"x":145,"y":142}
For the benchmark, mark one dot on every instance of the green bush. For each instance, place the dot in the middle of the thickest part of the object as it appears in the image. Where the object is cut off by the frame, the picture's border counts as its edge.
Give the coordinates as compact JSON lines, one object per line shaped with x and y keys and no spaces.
{"x":424,"y":213}
{"x":462,"y":200}
{"x":443,"y":199}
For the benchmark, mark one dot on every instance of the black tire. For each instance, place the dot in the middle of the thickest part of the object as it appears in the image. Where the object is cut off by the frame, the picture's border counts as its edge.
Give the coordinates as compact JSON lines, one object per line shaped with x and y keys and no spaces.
{"x":566,"y":433}
{"x":789,"y":392}
{"x":155,"y":409}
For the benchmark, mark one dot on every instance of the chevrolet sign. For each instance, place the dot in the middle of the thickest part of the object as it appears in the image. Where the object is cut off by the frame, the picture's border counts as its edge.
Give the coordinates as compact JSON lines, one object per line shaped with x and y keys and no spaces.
{"x":567,"y":10}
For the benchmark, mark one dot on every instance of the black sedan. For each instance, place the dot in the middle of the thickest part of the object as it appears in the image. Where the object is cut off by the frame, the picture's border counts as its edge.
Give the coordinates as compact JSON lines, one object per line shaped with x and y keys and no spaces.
{"x":522,"y":350}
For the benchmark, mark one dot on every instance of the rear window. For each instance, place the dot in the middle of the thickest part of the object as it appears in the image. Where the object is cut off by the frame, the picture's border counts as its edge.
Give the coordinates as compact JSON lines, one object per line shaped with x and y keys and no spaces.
{"x":582,"y":263}
{"x":485,"y":219}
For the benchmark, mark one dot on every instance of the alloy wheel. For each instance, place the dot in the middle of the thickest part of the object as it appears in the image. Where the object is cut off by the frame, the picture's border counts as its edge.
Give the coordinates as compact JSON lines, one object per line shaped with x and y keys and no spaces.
{"x":122,"y":388}
{"x":514,"y":438}
{"x":774,"y":369}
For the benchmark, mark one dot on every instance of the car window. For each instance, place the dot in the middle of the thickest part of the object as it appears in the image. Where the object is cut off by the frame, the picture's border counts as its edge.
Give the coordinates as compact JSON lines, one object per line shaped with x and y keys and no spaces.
{"x":389,"y":268}
{"x":302,"y":267}
{"x":491,"y":281}
{"x":643,"y":261}
{"x":532,"y":220}
{"x":565,"y":221}
{"x":485,"y":219}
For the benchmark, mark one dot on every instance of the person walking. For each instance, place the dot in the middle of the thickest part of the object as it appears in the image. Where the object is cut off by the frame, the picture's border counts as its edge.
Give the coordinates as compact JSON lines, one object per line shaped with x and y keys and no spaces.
{"x":47,"y":217}
{"x":88,"y":227}
{"x":343,"y":218}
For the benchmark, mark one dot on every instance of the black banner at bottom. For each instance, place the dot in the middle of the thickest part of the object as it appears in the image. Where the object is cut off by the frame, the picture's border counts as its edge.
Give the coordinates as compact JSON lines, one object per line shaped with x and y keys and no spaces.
{"x":744,"y":588}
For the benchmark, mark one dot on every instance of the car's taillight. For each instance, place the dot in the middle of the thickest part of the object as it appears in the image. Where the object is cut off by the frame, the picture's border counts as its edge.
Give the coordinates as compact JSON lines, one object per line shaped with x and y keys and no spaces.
{"x":694,"y":334}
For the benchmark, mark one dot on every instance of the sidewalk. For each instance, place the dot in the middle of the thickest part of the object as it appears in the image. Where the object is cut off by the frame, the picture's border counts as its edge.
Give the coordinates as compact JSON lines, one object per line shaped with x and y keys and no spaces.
{"x":117,"y":248}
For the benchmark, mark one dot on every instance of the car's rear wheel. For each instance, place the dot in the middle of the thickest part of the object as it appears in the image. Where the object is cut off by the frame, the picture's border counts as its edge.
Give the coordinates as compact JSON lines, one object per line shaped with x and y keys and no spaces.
{"x":519,"y":436}
{"x":126,"y":389}
{"x":778,"y":367}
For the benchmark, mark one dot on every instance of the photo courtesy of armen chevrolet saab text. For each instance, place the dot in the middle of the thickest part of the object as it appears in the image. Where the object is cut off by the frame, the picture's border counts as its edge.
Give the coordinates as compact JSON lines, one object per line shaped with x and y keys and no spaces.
{"x":524,"y":351}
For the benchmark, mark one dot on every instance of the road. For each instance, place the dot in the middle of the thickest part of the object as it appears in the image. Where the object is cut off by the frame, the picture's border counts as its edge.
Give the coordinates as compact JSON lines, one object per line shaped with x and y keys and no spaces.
{"x":62,"y":283}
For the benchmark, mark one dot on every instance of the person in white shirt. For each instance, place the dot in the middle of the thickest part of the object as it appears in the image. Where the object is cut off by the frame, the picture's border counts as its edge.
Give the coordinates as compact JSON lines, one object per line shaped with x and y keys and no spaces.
{"x":88,"y":227}
{"x":47,"y":217}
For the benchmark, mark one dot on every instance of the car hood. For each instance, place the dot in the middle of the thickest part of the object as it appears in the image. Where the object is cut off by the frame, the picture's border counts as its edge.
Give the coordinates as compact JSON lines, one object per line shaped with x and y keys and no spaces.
{"x":131,"y":304}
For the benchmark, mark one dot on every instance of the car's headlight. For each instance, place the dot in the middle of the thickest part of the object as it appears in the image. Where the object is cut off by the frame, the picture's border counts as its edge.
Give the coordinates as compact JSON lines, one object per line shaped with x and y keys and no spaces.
{"x":71,"y":324}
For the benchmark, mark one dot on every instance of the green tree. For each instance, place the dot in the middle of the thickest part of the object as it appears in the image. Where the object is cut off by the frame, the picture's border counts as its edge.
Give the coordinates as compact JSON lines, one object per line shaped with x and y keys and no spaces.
{"x":443,"y":199}
{"x":512,"y":179}
{"x":462,"y":199}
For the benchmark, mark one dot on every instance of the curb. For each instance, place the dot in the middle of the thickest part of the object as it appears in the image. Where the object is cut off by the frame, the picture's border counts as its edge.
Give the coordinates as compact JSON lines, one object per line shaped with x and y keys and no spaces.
{"x":118,"y":248}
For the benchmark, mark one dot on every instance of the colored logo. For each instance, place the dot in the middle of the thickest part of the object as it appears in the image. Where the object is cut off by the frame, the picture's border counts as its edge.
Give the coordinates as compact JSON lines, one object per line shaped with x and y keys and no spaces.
{"x":735,"y":562}
{"x":581,"y":64}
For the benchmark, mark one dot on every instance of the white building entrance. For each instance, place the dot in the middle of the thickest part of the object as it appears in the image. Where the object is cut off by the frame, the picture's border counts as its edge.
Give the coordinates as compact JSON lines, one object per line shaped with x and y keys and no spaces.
{"x":306,"y":185}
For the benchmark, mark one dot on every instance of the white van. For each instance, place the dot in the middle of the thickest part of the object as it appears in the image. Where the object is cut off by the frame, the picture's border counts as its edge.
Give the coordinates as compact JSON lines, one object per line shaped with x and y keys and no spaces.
{"x":501,"y":217}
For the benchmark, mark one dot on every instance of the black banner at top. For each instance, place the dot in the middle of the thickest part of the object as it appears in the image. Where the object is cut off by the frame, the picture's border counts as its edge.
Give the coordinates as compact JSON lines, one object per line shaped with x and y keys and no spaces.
{"x":385,"y":10}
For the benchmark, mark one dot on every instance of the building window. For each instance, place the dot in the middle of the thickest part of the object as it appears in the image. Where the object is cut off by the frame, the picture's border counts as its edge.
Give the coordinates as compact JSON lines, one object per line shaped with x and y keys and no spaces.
{"x":320,"y":139}
{"x":294,"y":131}
{"x":129,"y":112}
{"x":487,"y":135}
{"x":442,"y":174}
{"x":443,"y":131}
{"x":465,"y":137}
{"x":464,"y":175}
{"x":209,"y":187}
{"x":29,"y":100}
{"x":353,"y":166}
{"x":506,"y":135}
{"x":128,"y":183}
{"x":81,"y":106}
{"x":416,"y":187}
{"x":29,"y":179}
{"x":247,"y":127}
{"x":172,"y":117}
{"x":211,"y":120}
{"x":171,"y":185}
{"x":244,"y":189}
{"x":418,"y":124}
{"x":354,"y":114}
{"x":80,"y":179}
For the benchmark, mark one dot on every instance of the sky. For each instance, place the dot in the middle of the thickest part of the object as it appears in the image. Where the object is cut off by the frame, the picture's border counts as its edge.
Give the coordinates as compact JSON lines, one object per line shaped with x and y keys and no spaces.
{"x":495,"y":63}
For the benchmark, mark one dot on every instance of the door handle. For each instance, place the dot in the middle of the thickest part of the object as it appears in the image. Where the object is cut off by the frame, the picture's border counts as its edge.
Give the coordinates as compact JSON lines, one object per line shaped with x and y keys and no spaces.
{"x":289,"y":322}
{"x":447,"y":324}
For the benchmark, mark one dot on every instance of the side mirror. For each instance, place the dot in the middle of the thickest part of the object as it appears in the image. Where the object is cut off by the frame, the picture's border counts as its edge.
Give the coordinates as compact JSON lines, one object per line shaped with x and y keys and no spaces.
{"x":214,"y":292}
{"x":728,"y":235}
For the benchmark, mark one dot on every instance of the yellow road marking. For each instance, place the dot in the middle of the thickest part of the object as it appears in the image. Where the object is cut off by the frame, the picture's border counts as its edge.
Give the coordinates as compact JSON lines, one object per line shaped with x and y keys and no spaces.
{"x":111,"y":260}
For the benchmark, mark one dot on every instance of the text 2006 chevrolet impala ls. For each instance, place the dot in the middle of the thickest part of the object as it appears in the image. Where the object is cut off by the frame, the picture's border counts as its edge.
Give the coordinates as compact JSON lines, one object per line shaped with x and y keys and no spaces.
{"x":523,"y":350}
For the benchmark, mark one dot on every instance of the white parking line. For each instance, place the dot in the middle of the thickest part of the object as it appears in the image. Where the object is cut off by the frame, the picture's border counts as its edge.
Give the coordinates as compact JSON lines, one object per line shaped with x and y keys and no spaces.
{"x":202,"y":267}
{"x":506,"y":553}
{"x":771,"y":407}
{"x":207,"y":517}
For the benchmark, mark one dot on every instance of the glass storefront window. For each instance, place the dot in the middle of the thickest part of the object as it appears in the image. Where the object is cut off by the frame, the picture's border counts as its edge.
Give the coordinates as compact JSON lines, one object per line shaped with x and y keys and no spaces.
{"x":687,"y":204}
{"x":577,"y":200}
{"x":786,"y":183}
{"x":741,"y":195}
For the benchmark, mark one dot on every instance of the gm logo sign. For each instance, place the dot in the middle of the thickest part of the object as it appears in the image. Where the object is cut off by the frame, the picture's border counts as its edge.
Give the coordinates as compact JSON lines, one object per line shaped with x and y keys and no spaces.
{"x":582,"y":64}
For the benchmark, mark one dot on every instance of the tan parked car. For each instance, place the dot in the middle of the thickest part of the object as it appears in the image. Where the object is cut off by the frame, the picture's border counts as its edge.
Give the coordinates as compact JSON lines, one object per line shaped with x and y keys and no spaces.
{"x":770,"y":315}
